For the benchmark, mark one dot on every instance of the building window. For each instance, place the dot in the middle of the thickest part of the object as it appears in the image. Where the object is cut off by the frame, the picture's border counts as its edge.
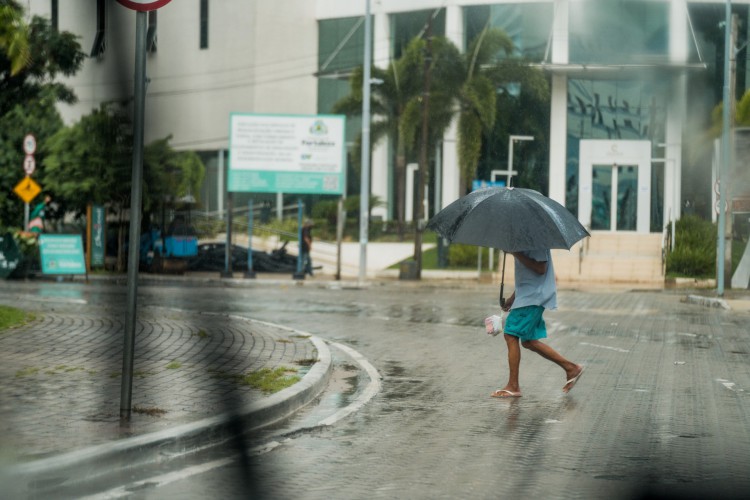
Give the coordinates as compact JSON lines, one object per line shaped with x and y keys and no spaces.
{"x":54,"y":15}
{"x":101,"y":22}
{"x":151,"y":32}
{"x":204,"y":24}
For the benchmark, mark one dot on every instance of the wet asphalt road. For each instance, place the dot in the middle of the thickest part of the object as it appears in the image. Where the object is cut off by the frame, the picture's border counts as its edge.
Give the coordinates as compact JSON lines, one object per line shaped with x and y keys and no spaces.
{"x":663,"y":408}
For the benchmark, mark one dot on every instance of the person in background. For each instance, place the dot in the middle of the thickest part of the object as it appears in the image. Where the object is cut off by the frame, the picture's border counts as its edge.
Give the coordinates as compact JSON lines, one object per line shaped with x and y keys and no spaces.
{"x":535,"y":291}
{"x":307,"y":247}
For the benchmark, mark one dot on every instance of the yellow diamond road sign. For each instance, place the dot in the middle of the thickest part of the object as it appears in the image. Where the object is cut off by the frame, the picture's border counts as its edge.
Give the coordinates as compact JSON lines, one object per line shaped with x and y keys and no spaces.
{"x":27,"y":189}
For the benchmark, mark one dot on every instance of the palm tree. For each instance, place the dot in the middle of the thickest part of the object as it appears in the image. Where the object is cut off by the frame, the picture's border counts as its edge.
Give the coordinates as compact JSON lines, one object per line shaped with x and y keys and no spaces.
{"x":490,"y":102}
{"x":478,"y":98}
{"x":396,"y":104}
{"x":466,"y":85}
{"x":14,"y":39}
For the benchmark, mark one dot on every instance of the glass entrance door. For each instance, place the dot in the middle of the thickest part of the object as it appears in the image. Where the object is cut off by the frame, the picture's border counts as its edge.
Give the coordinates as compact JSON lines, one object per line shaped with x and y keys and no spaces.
{"x":618,"y":183}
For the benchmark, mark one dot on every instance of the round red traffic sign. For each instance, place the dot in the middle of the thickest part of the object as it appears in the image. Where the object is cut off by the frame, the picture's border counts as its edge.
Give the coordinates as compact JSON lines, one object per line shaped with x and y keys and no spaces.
{"x":144,"y":5}
{"x":29,"y":164}
{"x":29,"y":144}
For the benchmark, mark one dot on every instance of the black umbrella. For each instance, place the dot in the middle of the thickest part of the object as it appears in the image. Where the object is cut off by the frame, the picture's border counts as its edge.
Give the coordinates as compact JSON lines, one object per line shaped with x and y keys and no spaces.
{"x":511,"y":219}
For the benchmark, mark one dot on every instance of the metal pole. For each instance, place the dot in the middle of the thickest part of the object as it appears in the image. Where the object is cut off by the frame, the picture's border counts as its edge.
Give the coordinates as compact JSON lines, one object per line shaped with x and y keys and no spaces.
{"x":364,"y":197}
{"x":139,"y":103}
{"x":250,"y":273}
{"x":228,"y":272}
{"x":725,"y":151}
{"x":510,"y":161}
{"x":340,"y":221}
{"x":300,"y":274}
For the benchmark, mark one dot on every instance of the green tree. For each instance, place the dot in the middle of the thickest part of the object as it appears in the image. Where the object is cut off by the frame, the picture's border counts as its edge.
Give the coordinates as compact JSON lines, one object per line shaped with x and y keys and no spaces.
{"x":523,"y":107}
{"x":91,"y":162}
{"x":29,"y":94}
{"x":478,"y":98}
{"x":14,"y":38}
{"x":479,"y":87}
{"x":396,"y":103}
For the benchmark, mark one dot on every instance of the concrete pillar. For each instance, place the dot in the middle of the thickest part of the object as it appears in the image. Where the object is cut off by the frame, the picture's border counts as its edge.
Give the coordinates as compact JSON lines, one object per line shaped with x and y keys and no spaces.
{"x":454,"y":31}
{"x":559,"y":105}
{"x":380,"y":184}
{"x":679,"y":37}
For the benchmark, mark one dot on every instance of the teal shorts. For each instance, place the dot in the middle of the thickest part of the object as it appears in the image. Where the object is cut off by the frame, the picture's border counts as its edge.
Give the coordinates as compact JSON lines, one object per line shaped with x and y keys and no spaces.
{"x":526,"y":323}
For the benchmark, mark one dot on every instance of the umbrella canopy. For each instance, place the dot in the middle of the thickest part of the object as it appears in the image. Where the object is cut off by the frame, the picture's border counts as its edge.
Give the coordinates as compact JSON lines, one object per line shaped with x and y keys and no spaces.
{"x":511,"y":219}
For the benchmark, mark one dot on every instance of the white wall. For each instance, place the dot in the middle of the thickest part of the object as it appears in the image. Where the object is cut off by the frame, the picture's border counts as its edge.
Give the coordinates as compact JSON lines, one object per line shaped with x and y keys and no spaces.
{"x":259,"y":59}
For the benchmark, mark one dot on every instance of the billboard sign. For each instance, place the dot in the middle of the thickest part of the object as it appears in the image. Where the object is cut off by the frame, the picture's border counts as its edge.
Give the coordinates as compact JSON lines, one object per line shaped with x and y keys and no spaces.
{"x":62,"y":254}
{"x":97,"y":236}
{"x":303,"y":154}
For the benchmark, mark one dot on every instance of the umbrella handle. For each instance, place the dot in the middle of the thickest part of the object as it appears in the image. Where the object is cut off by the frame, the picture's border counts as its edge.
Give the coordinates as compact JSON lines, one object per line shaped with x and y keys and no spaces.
{"x":502,"y":282}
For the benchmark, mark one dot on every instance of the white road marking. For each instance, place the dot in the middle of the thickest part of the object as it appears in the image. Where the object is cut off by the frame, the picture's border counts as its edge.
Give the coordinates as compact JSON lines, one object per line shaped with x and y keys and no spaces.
{"x":372,"y":388}
{"x":158,"y":481}
{"x":616,"y":349}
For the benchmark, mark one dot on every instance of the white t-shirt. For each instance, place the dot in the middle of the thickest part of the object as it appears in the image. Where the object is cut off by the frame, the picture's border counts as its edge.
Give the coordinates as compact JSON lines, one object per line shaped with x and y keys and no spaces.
{"x":534,"y":289}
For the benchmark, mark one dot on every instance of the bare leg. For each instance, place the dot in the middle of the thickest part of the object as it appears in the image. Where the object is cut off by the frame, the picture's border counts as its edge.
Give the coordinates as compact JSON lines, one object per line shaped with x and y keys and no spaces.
{"x":571,"y":369}
{"x":514,"y":362}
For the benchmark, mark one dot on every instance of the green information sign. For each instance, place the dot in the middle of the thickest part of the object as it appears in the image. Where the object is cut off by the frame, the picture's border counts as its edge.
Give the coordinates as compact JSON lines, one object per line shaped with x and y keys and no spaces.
{"x":97,"y":236}
{"x":287,"y":154}
{"x":62,"y":254}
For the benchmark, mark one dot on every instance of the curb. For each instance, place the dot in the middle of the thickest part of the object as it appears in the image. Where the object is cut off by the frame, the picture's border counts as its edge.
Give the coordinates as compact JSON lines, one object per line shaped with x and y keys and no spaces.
{"x":87,"y":464}
{"x":707,"y":301}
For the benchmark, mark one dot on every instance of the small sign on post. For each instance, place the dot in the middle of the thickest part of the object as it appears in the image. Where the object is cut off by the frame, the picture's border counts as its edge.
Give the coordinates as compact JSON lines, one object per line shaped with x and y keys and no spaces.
{"x":29,"y":144}
{"x":29,"y":164}
{"x":27,"y":189}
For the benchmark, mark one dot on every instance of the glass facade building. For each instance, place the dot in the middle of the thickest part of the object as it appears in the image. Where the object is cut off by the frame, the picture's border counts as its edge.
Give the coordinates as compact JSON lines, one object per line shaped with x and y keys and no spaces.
{"x":633,"y":71}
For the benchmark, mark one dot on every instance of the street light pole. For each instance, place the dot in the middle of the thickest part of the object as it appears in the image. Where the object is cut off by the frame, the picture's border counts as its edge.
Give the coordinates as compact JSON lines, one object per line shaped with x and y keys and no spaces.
{"x":511,"y":140}
{"x":725,"y":150}
{"x":364,"y":197}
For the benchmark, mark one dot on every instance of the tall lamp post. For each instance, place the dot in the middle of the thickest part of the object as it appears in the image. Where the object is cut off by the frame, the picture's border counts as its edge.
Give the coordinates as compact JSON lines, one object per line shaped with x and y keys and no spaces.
{"x":511,"y":140}
{"x":364,"y":197}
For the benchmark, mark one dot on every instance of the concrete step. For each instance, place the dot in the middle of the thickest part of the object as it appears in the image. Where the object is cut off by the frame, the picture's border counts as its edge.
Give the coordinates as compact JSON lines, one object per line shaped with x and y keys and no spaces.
{"x":607,"y":243}
{"x":604,"y":258}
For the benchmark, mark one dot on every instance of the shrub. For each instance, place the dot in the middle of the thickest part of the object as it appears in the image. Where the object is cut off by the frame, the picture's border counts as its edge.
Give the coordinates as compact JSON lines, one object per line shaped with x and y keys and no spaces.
{"x":694,"y":254}
{"x":466,"y":255}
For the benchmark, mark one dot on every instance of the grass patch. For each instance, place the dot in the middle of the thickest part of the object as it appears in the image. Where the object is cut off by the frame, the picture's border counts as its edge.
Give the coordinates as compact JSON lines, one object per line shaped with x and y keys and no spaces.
{"x":26,"y":372}
{"x":143,"y":373}
{"x":55,"y":370}
{"x":265,"y":379}
{"x":460,"y":258}
{"x":11,"y":317}
{"x":307,"y":361}
{"x":174,"y":365}
{"x":284,"y":341}
{"x":201,"y":334}
{"x":270,"y":381}
{"x":154,"y":412}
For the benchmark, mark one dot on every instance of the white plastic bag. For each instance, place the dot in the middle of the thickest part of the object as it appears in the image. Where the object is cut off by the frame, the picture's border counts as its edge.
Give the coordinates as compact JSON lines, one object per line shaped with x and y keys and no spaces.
{"x":494,"y":324}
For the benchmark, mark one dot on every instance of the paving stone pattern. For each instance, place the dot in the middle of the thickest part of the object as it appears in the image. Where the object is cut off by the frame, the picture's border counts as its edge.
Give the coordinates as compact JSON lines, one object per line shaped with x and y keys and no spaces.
{"x":60,"y":376}
{"x":663,"y":409}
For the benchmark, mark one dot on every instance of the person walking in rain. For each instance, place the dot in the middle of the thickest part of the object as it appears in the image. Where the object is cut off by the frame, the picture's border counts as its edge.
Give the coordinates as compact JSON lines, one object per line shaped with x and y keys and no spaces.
{"x":535,"y":291}
{"x":307,"y":247}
